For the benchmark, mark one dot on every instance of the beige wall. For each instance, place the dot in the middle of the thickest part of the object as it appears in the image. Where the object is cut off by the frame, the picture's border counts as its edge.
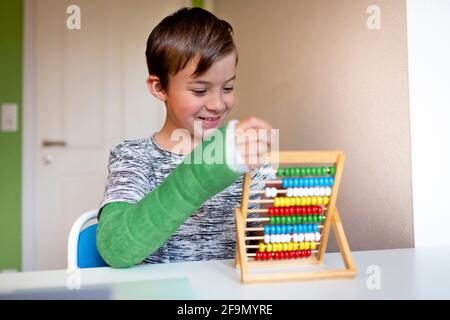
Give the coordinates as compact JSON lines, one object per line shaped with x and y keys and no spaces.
{"x":314,"y":70}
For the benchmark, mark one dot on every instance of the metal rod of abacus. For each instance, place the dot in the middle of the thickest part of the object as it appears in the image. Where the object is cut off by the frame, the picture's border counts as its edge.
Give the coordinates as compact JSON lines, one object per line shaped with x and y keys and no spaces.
{"x":262,"y":229}
{"x":255,"y":246}
{"x":254,"y":254}
{"x":267,"y":210}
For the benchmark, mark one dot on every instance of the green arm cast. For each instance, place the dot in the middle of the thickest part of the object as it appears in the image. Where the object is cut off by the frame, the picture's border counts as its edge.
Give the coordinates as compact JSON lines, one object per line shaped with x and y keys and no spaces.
{"x":128,"y":233}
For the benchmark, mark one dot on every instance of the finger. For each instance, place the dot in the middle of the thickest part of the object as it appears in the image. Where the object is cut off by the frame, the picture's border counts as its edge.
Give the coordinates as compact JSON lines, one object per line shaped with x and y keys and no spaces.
{"x":253,"y":122}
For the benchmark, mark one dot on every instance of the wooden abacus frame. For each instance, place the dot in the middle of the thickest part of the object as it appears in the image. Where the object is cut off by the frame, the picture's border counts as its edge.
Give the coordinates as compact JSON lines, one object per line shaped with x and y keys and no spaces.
{"x":332,"y":220}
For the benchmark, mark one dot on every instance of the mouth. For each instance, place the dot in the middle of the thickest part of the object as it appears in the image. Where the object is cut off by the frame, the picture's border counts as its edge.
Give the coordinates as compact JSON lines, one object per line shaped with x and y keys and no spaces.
{"x":209,"y":122}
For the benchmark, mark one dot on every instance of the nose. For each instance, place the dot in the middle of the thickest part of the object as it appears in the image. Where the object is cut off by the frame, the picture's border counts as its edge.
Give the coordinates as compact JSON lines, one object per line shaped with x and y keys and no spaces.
{"x":216,"y":104}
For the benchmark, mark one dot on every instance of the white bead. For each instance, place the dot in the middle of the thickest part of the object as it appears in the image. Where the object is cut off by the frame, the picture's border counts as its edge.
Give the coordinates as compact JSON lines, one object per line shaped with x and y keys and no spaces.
{"x":287,"y":238}
{"x":318,"y":236}
{"x":278,"y":238}
{"x":295,"y":237}
{"x":328,"y":191}
{"x":310,"y":192}
{"x":301,"y":237}
{"x":275,"y":192}
{"x":289,"y":192}
{"x":272,"y":238}
{"x":315,"y":191}
{"x":268,"y":193}
{"x":267,"y":238}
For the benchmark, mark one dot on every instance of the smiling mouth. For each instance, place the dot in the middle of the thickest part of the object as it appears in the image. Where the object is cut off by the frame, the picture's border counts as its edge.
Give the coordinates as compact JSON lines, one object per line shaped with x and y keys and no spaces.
{"x":209,"y":118}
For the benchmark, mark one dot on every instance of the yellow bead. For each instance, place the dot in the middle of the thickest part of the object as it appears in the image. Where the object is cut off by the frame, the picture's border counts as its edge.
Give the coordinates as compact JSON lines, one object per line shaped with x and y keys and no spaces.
{"x":319,"y":200}
{"x":277,"y":202}
{"x":313,"y":245}
{"x":262,"y":247}
{"x":290,"y":246}
{"x":326,"y":200}
{"x":275,"y":247}
{"x":313,"y":201}
{"x":295,"y":246}
{"x":303,"y":201}
{"x":285,"y":246}
{"x":301,"y":246}
{"x":269,"y":247}
{"x":306,"y":245}
{"x":308,"y":201}
{"x":297,"y":201}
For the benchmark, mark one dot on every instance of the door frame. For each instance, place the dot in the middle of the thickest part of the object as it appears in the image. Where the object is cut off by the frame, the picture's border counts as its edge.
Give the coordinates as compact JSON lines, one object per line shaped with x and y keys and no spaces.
{"x":28,"y":135}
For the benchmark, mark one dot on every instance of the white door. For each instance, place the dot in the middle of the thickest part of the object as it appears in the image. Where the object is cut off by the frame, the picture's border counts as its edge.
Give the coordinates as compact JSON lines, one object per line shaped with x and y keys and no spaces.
{"x":90,"y":94}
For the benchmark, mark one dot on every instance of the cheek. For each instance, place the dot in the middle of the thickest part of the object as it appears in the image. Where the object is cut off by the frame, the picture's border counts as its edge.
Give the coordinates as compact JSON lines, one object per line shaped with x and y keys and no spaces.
{"x":230,"y":100}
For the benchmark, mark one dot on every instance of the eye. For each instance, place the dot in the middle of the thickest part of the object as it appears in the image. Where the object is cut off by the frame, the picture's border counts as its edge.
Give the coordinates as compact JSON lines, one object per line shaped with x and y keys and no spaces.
{"x":199,"y":92}
{"x":228,"y":89}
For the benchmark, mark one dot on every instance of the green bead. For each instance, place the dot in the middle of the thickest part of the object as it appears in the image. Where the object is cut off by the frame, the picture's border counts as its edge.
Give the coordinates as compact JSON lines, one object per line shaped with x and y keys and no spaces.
{"x":310,"y":219}
{"x":287,"y":172}
{"x":324,"y":171}
{"x":313,"y":171}
{"x":321,"y":218}
{"x":280,"y":172}
{"x":315,"y":218}
{"x":289,"y":220}
{"x":308,"y":171}
{"x":302,"y":171}
{"x":283,"y":220}
{"x":272,"y":220}
{"x":299,"y":219}
{"x":297,"y":171}
{"x":332,"y":171}
{"x":277,"y":220}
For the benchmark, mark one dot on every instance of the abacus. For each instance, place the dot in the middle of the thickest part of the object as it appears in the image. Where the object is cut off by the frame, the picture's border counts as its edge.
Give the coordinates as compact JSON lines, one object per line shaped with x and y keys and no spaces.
{"x":294,"y":229}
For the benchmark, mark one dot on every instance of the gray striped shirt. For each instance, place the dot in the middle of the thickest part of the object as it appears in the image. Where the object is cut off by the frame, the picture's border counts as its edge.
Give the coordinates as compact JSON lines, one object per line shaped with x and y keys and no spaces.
{"x":137,"y":167}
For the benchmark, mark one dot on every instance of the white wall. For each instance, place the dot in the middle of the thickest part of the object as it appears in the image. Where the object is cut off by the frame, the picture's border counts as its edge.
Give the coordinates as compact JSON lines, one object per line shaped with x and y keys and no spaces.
{"x":428,"y":25}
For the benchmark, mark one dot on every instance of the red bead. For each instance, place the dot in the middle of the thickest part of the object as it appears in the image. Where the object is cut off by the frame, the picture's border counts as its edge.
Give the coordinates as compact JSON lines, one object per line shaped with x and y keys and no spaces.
{"x":319,"y":210}
{"x":277,"y":255}
{"x":308,"y":210}
{"x":308,"y":253}
{"x":298,"y":210}
{"x":303,"y":210}
{"x":258,"y":255}
{"x":271,"y":211}
{"x":291,"y":254}
{"x":276,"y":211}
{"x":302,"y":253}
{"x":297,"y":254}
{"x":291,"y":211}
{"x":266,"y":255}
{"x":283,"y":211}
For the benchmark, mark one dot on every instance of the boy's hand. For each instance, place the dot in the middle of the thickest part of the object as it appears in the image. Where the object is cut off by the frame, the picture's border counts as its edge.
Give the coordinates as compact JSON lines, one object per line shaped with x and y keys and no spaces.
{"x":253,"y":141}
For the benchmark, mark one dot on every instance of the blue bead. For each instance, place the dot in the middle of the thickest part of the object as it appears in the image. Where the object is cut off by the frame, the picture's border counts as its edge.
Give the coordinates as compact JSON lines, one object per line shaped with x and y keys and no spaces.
{"x":283,"y":229}
{"x":291,"y":182}
{"x":283,"y":182}
{"x":296,"y":182}
{"x":278,"y":230}
{"x":310,"y":228}
{"x":266,"y":229}
{"x":289,"y":228}
{"x":295,"y":228}
{"x":301,"y":182}
{"x":331,"y":181}
{"x":315,"y":227}
{"x":315,"y":182}
{"x":300,"y":228}
{"x":322,"y":182}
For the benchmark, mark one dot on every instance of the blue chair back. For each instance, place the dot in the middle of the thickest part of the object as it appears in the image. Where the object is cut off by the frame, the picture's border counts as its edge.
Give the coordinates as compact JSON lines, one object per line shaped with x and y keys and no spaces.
{"x":88,"y":256}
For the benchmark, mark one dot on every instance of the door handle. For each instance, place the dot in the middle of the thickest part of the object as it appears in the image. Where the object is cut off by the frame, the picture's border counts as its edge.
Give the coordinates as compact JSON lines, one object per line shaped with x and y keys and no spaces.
{"x":53,"y":143}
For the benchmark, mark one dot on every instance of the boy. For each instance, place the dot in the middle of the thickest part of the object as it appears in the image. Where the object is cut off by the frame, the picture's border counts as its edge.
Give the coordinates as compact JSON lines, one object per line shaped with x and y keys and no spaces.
{"x":148,"y":214}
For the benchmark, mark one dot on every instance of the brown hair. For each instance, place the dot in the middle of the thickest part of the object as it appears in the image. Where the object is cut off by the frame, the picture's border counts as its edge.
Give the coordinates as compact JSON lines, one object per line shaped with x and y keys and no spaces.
{"x":188,"y":33}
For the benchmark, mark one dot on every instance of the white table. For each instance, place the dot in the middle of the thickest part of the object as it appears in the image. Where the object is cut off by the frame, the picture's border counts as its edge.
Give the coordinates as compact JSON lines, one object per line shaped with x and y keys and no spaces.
{"x":404,"y":274}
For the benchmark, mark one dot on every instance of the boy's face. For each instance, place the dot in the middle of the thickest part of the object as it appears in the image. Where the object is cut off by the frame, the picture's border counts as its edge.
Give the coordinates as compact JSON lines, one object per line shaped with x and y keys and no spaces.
{"x":206,"y":99}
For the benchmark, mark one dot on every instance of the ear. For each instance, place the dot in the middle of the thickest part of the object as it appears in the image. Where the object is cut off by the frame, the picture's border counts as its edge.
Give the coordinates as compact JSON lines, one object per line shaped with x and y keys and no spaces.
{"x":154,"y":86}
